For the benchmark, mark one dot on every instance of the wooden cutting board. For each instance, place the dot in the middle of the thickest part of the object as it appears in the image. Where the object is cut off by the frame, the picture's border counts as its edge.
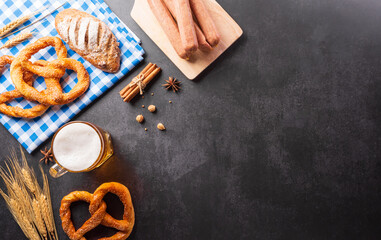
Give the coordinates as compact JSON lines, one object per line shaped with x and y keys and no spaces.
{"x":228,"y":28}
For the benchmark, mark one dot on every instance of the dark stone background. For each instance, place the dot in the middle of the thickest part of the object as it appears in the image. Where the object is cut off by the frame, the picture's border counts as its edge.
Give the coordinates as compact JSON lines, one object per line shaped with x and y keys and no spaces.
{"x":278,"y":139}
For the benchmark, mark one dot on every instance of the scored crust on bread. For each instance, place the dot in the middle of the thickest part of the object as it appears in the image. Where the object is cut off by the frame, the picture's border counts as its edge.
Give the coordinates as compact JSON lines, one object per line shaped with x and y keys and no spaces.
{"x":89,"y":37}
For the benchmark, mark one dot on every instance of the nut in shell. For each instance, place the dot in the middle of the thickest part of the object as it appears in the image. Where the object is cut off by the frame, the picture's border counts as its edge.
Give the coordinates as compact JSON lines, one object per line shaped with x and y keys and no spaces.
{"x":161,"y":127}
{"x":151,"y":108}
{"x":140,"y":118}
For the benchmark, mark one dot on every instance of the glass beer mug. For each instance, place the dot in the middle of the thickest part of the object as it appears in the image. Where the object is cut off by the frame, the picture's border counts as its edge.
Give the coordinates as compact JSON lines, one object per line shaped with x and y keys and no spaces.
{"x":79,"y":147}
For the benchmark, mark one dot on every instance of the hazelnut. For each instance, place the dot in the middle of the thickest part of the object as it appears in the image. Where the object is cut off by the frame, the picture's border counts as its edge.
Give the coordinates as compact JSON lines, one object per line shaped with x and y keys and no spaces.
{"x":140,"y":118}
{"x":142,"y":106}
{"x":145,"y":129}
{"x":161,"y":127}
{"x":151,"y":108}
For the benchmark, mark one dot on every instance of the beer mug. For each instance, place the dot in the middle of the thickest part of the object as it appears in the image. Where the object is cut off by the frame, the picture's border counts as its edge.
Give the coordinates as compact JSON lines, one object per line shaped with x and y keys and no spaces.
{"x":79,"y":147}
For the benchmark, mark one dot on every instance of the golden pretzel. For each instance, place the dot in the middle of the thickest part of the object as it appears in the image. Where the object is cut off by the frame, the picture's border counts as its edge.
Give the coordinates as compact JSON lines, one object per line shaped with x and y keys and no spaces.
{"x":122,"y":192}
{"x":97,"y":209}
{"x":5,"y":97}
{"x":90,"y":224}
{"x":52,"y":72}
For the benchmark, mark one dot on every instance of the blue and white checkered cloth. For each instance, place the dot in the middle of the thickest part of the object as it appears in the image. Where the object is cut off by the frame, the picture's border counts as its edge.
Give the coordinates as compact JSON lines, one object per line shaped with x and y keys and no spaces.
{"x":31,"y":133}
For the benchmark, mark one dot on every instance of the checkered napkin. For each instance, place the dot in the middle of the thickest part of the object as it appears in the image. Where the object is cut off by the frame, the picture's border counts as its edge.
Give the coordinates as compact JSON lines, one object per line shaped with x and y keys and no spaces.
{"x":31,"y":133}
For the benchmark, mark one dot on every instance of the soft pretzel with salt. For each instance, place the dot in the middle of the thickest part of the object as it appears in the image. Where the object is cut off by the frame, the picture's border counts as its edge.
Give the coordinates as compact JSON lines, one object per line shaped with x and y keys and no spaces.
{"x":5,"y":97}
{"x":52,"y":73}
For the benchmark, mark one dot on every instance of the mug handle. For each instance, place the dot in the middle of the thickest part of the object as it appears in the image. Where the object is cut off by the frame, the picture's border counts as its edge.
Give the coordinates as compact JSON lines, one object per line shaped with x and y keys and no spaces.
{"x":57,"y":171}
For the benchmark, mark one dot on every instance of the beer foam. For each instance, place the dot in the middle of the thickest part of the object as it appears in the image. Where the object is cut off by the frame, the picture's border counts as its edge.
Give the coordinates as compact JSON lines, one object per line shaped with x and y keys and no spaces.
{"x":77,"y":146}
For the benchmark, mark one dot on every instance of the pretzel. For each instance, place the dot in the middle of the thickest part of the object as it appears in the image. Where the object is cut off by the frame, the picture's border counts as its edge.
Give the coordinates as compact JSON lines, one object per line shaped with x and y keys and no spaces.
{"x":5,"y":97}
{"x":52,"y":73}
{"x":122,"y":192}
{"x":97,"y":209}
{"x":90,"y":224}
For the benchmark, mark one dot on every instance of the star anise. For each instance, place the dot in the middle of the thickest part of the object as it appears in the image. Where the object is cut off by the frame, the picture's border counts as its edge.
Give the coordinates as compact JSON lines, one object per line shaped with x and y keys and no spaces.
{"x":48,"y":155}
{"x":172,"y":83}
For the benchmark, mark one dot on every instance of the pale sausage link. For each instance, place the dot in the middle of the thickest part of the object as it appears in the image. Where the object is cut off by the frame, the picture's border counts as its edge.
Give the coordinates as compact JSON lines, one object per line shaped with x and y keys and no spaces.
{"x":206,"y":22}
{"x":169,"y":26}
{"x":186,"y":25}
{"x":202,"y":43}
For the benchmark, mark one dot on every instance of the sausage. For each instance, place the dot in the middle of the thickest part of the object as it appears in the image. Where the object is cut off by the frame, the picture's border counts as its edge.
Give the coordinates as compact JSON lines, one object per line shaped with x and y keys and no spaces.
{"x":206,"y":22}
{"x":202,"y":43}
{"x":169,"y":26}
{"x":186,"y":25}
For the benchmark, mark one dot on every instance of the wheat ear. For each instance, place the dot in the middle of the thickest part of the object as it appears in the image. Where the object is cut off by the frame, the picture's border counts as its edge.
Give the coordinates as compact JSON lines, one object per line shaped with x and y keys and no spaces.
{"x":28,"y":175}
{"x":23,"y":221}
{"x":15,"y":189}
{"x":14,"y":24}
{"x":17,"y":40}
{"x":20,"y":195}
{"x":45,"y":213}
{"x":47,"y":216}
{"x":38,"y":219}
{"x":28,"y":180}
{"x":46,"y":191}
{"x":18,"y":214}
{"x":23,"y":195}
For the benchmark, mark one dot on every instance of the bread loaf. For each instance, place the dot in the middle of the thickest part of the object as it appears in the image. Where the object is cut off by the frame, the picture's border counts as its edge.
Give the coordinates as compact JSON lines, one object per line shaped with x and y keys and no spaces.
{"x":90,"y":38}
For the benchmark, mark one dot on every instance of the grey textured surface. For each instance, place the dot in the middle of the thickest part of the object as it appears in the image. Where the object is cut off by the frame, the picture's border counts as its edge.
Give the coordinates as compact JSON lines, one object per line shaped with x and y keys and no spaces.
{"x":278,"y":139}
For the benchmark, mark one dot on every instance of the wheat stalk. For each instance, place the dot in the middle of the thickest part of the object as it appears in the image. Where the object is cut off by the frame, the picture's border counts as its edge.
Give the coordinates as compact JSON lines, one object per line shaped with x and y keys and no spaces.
{"x":38,"y":219}
{"x":29,"y":204}
{"x":45,"y":213}
{"x":47,"y":216}
{"x":46,"y":190}
{"x":27,"y":177}
{"x":14,"y":24}
{"x":17,"y":40}
{"x":19,"y":21}
{"x":34,"y":22}
{"x":23,"y":221}
{"x":22,"y":197}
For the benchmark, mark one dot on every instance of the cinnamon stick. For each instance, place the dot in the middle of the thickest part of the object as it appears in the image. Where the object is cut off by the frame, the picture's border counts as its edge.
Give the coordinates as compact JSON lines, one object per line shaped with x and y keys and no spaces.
{"x":145,"y":76}
{"x":123,"y":91}
{"x":131,"y":87}
{"x":145,"y":81}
